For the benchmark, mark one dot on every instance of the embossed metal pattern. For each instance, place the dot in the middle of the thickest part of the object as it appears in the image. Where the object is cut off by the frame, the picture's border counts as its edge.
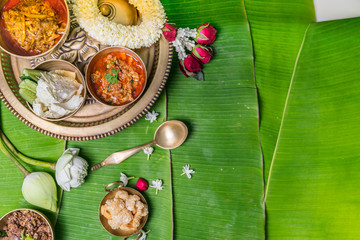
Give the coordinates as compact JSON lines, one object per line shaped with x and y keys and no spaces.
{"x":91,"y":122}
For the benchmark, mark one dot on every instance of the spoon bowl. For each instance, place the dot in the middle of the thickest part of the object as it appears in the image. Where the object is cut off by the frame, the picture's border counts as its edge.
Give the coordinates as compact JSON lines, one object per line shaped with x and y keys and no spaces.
{"x":169,"y":135}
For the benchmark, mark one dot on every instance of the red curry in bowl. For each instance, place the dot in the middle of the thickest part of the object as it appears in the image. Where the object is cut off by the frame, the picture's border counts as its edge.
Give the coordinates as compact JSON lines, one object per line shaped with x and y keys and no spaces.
{"x":32,"y":27}
{"x":117,"y":78}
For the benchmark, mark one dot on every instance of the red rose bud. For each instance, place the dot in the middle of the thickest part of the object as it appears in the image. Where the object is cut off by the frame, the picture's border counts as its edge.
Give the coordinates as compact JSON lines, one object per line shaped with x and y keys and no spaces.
{"x":202,"y":53}
{"x":191,"y":64}
{"x":169,"y":32}
{"x":142,"y":184}
{"x":184,"y":70}
{"x":206,"y":34}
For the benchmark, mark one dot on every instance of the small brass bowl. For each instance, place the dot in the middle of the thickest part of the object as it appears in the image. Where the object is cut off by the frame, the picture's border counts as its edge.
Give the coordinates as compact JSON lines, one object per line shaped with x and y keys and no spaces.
{"x":111,"y":195}
{"x":4,"y":219}
{"x":96,"y":58}
{"x":57,"y":64}
{"x":9,"y":50}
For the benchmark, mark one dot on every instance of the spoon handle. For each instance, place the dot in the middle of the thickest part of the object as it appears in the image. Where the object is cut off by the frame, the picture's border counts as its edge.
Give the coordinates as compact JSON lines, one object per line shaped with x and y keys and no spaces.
{"x":118,"y":157}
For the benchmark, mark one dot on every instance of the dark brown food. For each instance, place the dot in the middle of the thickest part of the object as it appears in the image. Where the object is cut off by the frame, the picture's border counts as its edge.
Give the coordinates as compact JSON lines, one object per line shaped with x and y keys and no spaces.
{"x":28,"y":224}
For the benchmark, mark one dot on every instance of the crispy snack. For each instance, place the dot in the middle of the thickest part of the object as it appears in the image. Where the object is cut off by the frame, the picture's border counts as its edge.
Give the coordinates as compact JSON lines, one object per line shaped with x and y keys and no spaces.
{"x":34,"y":25}
{"x":124,"y":211}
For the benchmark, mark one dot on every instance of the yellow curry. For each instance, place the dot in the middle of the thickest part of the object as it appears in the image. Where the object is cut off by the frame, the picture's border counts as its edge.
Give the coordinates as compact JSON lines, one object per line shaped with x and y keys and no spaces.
{"x":34,"y":24}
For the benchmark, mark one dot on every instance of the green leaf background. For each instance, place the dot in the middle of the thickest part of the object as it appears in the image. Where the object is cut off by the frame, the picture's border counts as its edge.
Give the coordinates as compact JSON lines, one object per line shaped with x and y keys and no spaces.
{"x":273,"y":134}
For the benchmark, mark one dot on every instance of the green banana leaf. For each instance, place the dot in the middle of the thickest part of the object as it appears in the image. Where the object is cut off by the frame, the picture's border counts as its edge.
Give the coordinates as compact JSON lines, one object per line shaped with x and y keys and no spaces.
{"x":44,"y":148}
{"x":277,"y":29}
{"x":223,"y":200}
{"x":307,"y":78}
{"x":213,"y":204}
{"x":312,"y":190}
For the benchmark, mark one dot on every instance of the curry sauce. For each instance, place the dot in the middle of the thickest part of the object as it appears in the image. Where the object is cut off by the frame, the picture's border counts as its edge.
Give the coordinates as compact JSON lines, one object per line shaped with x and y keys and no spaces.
{"x":31,"y":27}
{"x":117,"y":78}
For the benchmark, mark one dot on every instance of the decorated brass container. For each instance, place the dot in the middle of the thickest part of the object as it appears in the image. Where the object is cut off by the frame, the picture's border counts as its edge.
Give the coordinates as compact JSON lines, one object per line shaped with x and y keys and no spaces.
{"x":98,"y":56}
{"x":4,"y":219}
{"x":111,"y":194}
{"x":58,"y":64}
{"x":5,"y":47}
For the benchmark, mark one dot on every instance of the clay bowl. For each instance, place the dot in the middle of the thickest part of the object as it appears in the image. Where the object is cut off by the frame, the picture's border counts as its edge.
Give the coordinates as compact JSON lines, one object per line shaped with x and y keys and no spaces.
{"x":58,"y":4}
{"x":96,"y":58}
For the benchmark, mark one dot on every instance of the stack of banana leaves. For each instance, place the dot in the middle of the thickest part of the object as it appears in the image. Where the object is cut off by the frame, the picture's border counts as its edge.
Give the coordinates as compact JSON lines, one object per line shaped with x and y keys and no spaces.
{"x":273,"y":134}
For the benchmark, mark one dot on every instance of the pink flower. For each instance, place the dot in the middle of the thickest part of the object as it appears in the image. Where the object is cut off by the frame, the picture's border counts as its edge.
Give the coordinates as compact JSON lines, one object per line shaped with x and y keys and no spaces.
{"x":184,"y":70}
{"x":191,"y":64}
{"x":202,"y":53}
{"x":169,"y":32}
{"x":206,"y":34}
{"x":142,"y":184}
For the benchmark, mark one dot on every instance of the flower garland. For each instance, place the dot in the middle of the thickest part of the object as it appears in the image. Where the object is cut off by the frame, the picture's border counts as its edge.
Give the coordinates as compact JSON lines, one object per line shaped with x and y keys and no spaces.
{"x":184,"y":41}
{"x":110,"y":33}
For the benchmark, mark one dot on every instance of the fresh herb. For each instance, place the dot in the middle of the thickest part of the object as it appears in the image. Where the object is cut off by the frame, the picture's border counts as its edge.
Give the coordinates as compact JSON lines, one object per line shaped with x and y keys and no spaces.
{"x":3,"y":233}
{"x":132,"y":80}
{"x":109,"y":102}
{"x":112,"y":78}
{"x":23,"y":237}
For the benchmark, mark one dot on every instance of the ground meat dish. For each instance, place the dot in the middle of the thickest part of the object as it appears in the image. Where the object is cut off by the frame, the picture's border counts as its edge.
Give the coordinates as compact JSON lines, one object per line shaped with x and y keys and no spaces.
{"x":117,"y":78}
{"x":27,"y":223}
{"x":34,"y":25}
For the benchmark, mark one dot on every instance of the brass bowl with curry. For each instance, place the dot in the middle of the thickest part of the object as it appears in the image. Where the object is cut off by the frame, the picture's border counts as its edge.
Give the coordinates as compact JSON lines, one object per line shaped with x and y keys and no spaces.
{"x":33,"y":28}
{"x":116,"y":76}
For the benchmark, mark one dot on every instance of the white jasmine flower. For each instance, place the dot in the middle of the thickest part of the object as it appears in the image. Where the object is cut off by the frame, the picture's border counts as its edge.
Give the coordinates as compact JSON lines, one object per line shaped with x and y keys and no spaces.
{"x":151,"y":116}
{"x":186,"y":170}
{"x":143,"y":234}
{"x":158,"y":185}
{"x":148,"y":151}
{"x":183,"y":41}
{"x":124,"y":178}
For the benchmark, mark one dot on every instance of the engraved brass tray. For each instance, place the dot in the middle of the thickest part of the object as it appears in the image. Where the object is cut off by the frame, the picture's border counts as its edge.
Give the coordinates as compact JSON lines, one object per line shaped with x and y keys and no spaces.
{"x":94,"y":120}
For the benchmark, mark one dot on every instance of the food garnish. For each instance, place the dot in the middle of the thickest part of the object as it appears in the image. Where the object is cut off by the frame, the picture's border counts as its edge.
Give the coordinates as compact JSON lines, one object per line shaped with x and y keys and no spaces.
{"x":186,"y":170}
{"x":124,"y":211}
{"x":117,"y":78}
{"x":71,"y":169}
{"x":158,"y":185}
{"x":33,"y":26}
{"x":52,"y":94}
{"x":100,"y":27}
{"x":142,"y":184}
{"x":27,"y":225}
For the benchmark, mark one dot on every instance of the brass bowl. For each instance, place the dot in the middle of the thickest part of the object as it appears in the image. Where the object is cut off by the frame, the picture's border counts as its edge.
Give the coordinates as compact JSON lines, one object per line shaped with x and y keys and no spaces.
{"x":8,"y":50}
{"x":100,"y":54}
{"x":111,"y":195}
{"x":4,"y":219}
{"x":57,"y":64}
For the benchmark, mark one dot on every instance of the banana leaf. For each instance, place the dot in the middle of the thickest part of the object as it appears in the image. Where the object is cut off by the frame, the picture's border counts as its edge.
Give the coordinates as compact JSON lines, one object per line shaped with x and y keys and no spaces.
{"x":44,"y":148}
{"x":312,"y":189}
{"x":223,"y":199}
{"x":277,"y":29}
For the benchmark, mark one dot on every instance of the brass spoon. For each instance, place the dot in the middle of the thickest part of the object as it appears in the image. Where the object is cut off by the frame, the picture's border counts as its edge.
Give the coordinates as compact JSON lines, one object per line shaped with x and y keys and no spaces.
{"x":168,"y":135}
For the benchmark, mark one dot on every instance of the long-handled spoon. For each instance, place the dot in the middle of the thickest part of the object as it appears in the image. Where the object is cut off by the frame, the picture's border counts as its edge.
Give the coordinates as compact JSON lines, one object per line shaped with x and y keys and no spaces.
{"x":168,"y":135}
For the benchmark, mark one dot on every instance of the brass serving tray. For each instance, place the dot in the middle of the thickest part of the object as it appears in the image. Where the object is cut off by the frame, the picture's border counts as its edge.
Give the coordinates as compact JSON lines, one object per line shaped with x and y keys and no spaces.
{"x":94,"y":120}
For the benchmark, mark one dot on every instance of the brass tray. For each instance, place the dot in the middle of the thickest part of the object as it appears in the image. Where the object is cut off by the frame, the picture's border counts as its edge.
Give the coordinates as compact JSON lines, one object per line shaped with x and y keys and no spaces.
{"x":94,"y":120}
